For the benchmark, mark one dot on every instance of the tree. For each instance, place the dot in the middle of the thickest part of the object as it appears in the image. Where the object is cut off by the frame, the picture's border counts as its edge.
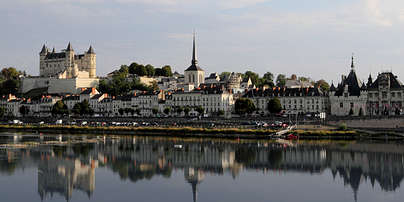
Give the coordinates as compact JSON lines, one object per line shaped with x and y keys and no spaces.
{"x":10,"y":73}
{"x":274,"y":106}
{"x":132,"y":68}
{"x":155,"y":111}
{"x":167,"y":71}
{"x":141,"y":70}
{"x":154,"y":86}
{"x":186,"y":111}
{"x":293,"y":77}
{"x":59,"y":108}
{"x":180,"y":110}
{"x":24,"y":110}
{"x":220,"y":113}
{"x":253,"y":76}
{"x":158,"y":72}
{"x":121,"y":111}
{"x":82,"y":108}
{"x":268,"y":79}
{"x":150,"y":70}
{"x":324,"y":86}
{"x":167,"y":110}
{"x":2,"y":111}
{"x":76,"y":109}
{"x":10,"y":86}
{"x":124,"y":70}
{"x":244,"y":106}
{"x":281,"y":80}
{"x":200,"y":110}
{"x":224,"y":75}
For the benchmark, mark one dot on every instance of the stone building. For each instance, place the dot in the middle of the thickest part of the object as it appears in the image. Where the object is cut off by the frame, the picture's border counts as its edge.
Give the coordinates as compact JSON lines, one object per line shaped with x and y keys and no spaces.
{"x":67,"y":64}
{"x":293,"y":100}
{"x":385,"y":95}
{"x":349,"y":97}
{"x":62,"y":72}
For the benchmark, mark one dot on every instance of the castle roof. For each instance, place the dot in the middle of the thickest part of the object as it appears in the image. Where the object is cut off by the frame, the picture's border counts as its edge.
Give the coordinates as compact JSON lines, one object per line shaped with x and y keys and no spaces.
{"x":394,"y":82}
{"x":91,"y":50}
{"x":69,"y":47}
{"x":353,"y":83}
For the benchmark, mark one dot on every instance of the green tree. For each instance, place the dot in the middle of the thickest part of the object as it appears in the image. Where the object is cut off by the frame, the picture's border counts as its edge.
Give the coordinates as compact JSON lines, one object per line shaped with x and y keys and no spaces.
{"x":132,"y":68}
{"x":150,"y":70}
{"x":324,"y":86}
{"x":155,"y":111}
{"x":281,"y":80}
{"x":255,"y":79}
{"x":268,"y":79}
{"x":158,"y":72}
{"x":244,"y":106}
{"x":10,"y":86}
{"x":76,"y":109}
{"x":59,"y":108}
{"x":224,"y":75}
{"x":24,"y":110}
{"x":220,"y":113}
{"x":200,"y":110}
{"x":167,"y":110}
{"x":186,"y":111}
{"x":167,"y":71}
{"x":10,"y":73}
{"x":141,"y":70}
{"x":274,"y":106}
{"x":179,"y":110}
{"x":121,"y":111}
{"x":2,"y":111}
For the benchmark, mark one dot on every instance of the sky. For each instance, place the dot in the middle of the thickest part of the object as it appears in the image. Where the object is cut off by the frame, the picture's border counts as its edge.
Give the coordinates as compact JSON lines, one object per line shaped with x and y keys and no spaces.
{"x":312,"y":38}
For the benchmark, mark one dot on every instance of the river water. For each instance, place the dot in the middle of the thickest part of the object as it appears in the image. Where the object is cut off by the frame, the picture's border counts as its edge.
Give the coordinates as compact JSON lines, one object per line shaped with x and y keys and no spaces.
{"x":37,"y":167}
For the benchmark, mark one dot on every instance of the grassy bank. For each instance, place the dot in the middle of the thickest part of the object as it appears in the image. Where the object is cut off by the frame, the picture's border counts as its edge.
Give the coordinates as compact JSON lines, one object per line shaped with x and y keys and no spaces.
{"x":196,"y":132}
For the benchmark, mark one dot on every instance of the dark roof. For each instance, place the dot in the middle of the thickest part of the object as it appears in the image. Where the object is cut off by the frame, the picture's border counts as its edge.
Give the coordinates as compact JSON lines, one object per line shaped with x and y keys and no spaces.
{"x":36,"y":92}
{"x":91,"y":50}
{"x":394,"y":82}
{"x":332,"y":88}
{"x":194,"y":67}
{"x":73,"y":97}
{"x":69,"y":47}
{"x":97,"y":96}
{"x":77,"y":57}
{"x":245,"y":80}
{"x":284,"y":92}
{"x":87,"y":91}
{"x":55,"y":55}
{"x":44,"y":49}
{"x":354,"y":85}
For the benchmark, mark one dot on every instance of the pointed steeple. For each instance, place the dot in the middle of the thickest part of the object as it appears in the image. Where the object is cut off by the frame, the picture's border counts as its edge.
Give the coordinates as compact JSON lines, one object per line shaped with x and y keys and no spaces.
{"x":352,"y":63}
{"x":194,"y":61}
{"x":370,"y":81}
{"x":44,"y":50}
{"x":69,"y":47}
{"x":91,"y":50}
{"x":53,"y":50}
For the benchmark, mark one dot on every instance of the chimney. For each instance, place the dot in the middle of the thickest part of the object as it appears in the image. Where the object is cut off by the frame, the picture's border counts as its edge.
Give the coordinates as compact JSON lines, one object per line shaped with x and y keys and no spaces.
{"x":93,"y":91}
{"x":105,"y":95}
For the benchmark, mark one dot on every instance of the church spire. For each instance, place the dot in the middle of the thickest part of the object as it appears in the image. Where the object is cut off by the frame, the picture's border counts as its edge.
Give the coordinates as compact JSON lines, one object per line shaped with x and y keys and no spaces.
{"x":352,"y":63}
{"x":44,"y":50}
{"x":194,"y":61}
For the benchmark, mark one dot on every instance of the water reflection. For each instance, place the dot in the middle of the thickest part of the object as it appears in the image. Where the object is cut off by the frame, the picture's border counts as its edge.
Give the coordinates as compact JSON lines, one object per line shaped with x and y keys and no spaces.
{"x":68,"y":163}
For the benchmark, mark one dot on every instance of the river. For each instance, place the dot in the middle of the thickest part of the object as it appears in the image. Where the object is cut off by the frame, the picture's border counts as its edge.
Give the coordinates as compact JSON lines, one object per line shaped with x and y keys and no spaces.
{"x":39,"y":167}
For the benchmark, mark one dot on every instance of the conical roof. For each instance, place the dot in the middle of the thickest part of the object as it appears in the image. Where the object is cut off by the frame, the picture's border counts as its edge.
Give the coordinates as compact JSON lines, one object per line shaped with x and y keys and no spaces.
{"x":44,"y":49}
{"x":69,"y":47}
{"x":91,"y":50}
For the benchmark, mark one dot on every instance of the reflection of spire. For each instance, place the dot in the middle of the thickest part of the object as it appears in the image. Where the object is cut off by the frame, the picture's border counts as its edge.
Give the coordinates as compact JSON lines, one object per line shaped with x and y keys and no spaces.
{"x":194,"y":177}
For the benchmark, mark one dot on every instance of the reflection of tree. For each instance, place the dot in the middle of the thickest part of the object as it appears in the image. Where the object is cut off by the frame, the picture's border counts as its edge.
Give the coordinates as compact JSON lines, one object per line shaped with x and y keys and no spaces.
{"x":82,"y":149}
{"x":59,"y":150}
{"x":245,"y":155}
{"x":275,"y":157}
{"x":7,"y":167}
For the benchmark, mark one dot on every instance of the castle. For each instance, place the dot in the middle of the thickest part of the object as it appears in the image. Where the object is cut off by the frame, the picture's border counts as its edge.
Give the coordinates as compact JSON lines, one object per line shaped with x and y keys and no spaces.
{"x":62,"y":72}
{"x":67,"y":64}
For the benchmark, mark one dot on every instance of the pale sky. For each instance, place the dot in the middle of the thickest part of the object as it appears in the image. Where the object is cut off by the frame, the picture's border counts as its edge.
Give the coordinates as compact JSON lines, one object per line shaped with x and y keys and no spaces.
{"x":313,"y":38}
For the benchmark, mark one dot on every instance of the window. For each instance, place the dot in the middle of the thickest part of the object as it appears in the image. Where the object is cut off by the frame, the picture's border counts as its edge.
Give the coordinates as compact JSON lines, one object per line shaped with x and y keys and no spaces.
{"x":384,"y":95}
{"x":352,"y":105}
{"x":341,"y":105}
{"x":393,"y":94}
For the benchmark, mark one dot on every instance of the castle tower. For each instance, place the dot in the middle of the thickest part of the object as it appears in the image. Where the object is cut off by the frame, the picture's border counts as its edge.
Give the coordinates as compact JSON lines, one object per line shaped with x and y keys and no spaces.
{"x":42,"y":56}
{"x":194,"y":74}
{"x":69,"y":56}
{"x":91,"y":60}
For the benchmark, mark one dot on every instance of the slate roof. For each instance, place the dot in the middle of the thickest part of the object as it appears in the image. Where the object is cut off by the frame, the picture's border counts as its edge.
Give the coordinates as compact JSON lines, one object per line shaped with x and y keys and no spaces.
{"x":55,"y":55}
{"x":284,"y":92}
{"x":394,"y":82}
{"x":354,"y":85}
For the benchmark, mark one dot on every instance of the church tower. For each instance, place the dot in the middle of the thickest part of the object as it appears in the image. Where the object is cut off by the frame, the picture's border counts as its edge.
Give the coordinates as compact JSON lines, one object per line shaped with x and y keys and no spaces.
{"x":90,"y":60}
{"x":194,"y":74}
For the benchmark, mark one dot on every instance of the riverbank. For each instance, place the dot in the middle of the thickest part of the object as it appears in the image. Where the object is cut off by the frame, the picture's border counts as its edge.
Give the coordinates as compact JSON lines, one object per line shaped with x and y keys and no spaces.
{"x":232,"y":133}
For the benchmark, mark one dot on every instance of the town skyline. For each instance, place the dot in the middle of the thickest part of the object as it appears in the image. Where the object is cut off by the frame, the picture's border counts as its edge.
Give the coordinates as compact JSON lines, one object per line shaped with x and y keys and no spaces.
{"x":288,"y":40}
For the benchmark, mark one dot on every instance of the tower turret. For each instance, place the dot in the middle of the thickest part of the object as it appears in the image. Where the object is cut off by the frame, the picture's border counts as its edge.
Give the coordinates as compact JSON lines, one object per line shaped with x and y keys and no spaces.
{"x":91,"y":59}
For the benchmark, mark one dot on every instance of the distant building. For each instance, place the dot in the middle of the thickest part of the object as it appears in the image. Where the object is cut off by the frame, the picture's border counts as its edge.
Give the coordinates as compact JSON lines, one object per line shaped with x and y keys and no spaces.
{"x":62,"y":73}
{"x":350,"y":96}
{"x":385,"y":95}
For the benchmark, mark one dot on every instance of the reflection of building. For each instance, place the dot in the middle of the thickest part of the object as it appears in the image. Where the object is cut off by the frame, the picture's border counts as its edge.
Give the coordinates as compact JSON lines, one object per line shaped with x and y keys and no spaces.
{"x":194,"y":177}
{"x":62,"y":176}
